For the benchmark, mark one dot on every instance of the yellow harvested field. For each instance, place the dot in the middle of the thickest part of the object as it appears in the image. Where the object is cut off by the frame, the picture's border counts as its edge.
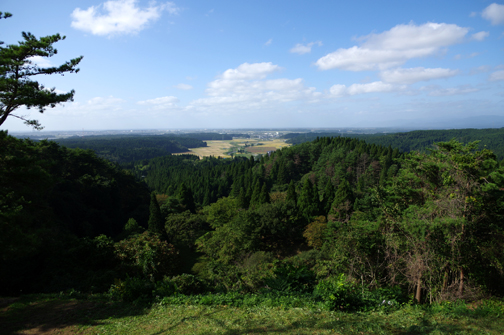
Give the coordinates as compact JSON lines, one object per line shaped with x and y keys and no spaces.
{"x":218,"y":148}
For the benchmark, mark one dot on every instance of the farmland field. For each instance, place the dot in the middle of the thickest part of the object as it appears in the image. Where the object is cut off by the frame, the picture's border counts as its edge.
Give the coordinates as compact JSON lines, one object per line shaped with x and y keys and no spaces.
{"x":239,"y":147}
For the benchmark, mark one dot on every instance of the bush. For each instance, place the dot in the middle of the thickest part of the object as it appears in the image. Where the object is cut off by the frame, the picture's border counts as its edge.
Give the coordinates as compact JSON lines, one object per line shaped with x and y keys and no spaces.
{"x":147,"y":256}
{"x":188,"y":284}
{"x":343,"y":294}
{"x":339,"y":293}
{"x":131,"y":289}
{"x":165,"y":288}
{"x":291,"y":278}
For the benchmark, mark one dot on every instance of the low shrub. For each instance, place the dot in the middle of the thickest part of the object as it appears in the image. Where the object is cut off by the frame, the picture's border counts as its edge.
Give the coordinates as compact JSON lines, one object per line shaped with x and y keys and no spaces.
{"x":188,"y":284}
{"x":131,"y":289}
{"x":291,"y":278}
{"x":340,"y":293}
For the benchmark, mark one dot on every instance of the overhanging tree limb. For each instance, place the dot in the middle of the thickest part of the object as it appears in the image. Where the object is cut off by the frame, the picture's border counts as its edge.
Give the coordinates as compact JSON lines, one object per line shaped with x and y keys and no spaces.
{"x":17,"y":67}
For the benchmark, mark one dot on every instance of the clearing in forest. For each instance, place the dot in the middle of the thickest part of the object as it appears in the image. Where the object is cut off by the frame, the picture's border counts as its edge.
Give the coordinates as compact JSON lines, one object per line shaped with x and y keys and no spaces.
{"x":238,"y":147}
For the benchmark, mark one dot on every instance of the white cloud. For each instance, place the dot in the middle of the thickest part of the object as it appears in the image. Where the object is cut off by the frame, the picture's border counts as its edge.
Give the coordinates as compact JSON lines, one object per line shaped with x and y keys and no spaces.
{"x":245,"y":87}
{"x":413,"y":75}
{"x":394,"y":47}
{"x":104,"y":103}
{"x":183,"y":87}
{"x":494,"y":13}
{"x":268,"y":42}
{"x":303,"y":49}
{"x":480,"y":36}
{"x":497,"y":75}
{"x":93,"y":107}
{"x":122,"y":17}
{"x":248,"y":71}
{"x":354,"y":89}
{"x":160,"y":103}
{"x":40,"y":61}
{"x":437,"y":91}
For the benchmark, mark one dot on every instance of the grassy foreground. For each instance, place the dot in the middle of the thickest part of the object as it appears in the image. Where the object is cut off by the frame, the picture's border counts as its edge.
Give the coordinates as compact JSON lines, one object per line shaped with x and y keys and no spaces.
{"x":63,"y":315}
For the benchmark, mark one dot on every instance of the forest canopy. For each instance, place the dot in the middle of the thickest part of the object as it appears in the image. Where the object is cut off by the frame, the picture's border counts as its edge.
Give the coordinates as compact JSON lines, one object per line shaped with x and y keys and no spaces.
{"x":311,"y":218}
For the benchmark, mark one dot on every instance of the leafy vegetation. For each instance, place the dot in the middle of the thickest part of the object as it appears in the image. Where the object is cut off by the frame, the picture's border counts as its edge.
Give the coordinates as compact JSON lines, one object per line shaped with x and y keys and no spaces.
{"x":335,"y":224}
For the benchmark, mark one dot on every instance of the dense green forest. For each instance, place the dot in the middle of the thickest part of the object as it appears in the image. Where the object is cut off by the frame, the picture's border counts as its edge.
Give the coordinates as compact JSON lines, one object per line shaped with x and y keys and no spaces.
{"x":125,"y":149}
{"x":338,"y":220}
{"x":419,"y":140}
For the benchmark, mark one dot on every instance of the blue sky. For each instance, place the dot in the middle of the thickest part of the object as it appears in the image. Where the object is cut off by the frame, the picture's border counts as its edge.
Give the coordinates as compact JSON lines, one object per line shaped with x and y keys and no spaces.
{"x":247,"y":64}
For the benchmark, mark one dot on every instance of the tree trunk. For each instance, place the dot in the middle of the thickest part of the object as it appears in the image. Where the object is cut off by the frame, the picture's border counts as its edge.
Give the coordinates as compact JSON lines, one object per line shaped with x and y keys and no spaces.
{"x":445,"y":281}
{"x":461,"y":284}
{"x":418,"y":295}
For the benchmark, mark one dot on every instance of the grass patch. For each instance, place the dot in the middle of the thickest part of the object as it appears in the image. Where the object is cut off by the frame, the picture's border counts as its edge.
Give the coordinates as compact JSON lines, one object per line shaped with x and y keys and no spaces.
{"x":96,"y":315}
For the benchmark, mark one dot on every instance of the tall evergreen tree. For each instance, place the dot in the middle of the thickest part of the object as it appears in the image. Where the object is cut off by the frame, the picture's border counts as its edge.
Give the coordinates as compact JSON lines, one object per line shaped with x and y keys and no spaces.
{"x":343,"y":202}
{"x":256,"y":194}
{"x":243,"y":201}
{"x":328,"y":197}
{"x":291,"y":193}
{"x":264,"y":196}
{"x":307,"y":202}
{"x":156,"y":222}
{"x":186,"y":198}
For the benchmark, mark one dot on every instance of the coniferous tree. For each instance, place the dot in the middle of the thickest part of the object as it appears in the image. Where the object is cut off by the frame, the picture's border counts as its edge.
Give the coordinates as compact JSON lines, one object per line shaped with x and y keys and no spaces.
{"x":282,"y":176}
{"x":264,"y":196}
{"x":16,"y":70}
{"x":243,"y":202}
{"x":328,"y":197}
{"x":307,"y":205}
{"x":254,"y":200}
{"x":343,"y":202}
{"x":186,"y":198}
{"x":291,"y":193}
{"x":156,"y":222}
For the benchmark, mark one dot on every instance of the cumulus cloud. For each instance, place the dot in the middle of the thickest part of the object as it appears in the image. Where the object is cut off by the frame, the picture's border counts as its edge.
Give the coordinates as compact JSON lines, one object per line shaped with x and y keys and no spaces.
{"x":40,"y":61}
{"x":303,"y":49}
{"x":494,"y":13}
{"x":183,"y":87}
{"x":248,"y":71}
{"x":413,"y":75}
{"x":121,"y":17}
{"x":160,"y":103}
{"x":394,"y":47}
{"x":497,"y":75}
{"x":247,"y":87}
{"x":354,"y":89}
{"x":480,"y":36}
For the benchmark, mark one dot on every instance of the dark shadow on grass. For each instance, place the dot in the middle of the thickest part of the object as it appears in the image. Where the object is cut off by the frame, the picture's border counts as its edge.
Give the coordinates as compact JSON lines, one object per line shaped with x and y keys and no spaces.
{"x":342,"y":324}
{"x":45,"y":315}
{"x":192,"y":318}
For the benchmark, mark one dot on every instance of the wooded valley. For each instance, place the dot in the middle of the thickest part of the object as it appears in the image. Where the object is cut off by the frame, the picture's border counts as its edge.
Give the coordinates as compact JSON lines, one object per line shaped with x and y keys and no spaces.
{"x":341,"y":221}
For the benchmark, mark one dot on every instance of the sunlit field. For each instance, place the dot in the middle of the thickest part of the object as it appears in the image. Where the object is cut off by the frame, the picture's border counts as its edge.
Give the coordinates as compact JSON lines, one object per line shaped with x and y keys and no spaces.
{"x":222,"y":148}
